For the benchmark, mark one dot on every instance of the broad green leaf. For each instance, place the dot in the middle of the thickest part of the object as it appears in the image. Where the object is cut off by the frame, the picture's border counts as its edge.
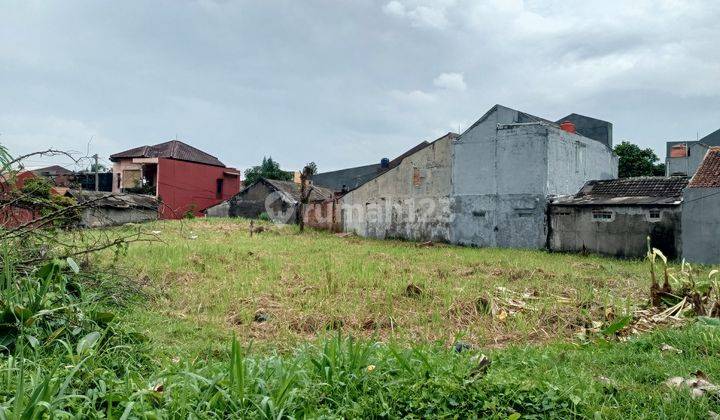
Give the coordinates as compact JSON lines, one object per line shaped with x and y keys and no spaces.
{"x":87,"y":342}
{"x":34,"y":343}
{"x":73,"y":265}
{"x":617,"y":325}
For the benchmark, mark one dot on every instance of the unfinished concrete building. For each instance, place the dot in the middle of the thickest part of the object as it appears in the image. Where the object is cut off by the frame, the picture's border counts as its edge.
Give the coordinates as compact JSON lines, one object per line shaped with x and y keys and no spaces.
{"x":684,"y":157}
{"x":615,"y":217}
{"x":505,"y":168}
{"x":411,"y":200}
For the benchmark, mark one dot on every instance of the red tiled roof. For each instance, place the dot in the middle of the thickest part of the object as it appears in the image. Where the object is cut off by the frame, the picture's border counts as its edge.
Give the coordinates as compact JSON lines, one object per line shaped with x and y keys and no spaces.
{"x":173,"y":149}
{"x":708,"y":174}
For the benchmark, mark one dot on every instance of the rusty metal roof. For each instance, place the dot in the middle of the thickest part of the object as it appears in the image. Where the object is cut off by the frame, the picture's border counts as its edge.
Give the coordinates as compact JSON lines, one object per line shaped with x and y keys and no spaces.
{"x":173,"y":149}
{"x":708,"y":174}
{"x":628,"y":191}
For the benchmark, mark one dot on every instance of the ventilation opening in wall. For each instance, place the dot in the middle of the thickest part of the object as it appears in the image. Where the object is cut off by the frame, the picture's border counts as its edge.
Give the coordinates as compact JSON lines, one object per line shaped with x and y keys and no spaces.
{"x":563,"y":213}
{"x":654,"y":215}
{"x":479,"y":213}
{"x":524,"y":213}
{"x":603,"y":215}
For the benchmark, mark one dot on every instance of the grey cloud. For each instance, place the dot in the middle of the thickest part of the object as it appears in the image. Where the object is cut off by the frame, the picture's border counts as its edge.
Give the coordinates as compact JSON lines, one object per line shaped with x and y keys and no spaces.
{"x":345,"y":83}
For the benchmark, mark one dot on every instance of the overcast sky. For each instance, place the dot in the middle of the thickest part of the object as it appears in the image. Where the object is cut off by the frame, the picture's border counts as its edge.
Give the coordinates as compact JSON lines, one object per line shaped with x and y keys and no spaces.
{"x":344,"y":83}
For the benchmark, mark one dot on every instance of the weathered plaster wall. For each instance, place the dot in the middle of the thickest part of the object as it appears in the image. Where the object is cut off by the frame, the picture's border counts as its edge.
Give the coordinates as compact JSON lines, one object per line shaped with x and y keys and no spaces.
{"x":218,"y":210}
{"x":573,"y":160}
{"x":324,"y":215}
{"x":504,"y":168}
{"x":701,"y":225}
{"x":573,"y":229}
{"x":103,"y":216}
{"x":410,"y":201}
{"x":499,"y":180}
{"x":689,"y":164}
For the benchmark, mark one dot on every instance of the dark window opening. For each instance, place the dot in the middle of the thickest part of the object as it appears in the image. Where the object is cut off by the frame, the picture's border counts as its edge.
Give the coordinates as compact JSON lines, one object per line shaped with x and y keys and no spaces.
{"x":602,"y":215}
{"x":219,"y":188}
{"x":654,"y":214}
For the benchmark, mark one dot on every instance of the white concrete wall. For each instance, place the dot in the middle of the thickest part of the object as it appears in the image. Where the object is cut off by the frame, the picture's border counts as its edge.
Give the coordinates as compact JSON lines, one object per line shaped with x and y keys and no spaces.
{"x":572,"y":160}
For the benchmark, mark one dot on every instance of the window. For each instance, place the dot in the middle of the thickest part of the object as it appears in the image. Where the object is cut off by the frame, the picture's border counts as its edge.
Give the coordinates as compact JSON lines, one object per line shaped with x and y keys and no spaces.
{"x":563,"y":213}
{"x":219,"y":188}
{"x":131,"y":178}
{"x":602,"y":215}
{"x":654,"y":215}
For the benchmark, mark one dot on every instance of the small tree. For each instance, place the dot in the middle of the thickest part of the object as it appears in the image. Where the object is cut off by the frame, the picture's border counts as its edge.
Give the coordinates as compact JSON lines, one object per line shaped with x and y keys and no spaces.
{"x":635,"y":161}
{"x":308,"y":171}
{"x":268,"y":169}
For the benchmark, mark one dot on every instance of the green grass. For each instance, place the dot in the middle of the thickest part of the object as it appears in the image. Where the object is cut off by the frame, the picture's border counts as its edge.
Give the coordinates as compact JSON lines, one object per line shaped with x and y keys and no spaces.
{"x":185,"y":342}
{"x":211,"y":287}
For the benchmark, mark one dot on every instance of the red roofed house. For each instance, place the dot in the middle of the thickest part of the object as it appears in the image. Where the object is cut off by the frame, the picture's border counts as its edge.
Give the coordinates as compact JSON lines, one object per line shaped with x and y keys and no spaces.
{"x":701,"y":212}
{"x":184,"y":178}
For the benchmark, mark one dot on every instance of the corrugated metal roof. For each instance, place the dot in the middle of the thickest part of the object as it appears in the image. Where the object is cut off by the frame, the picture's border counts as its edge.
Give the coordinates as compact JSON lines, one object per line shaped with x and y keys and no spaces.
{"x":173,"y":149}
{"x":708,"y":173}
{"x":628,"y":191}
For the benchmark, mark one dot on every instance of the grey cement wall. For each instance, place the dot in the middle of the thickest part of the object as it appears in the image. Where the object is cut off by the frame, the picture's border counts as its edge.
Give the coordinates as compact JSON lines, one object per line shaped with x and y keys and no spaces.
{"x":701,"y":225}
{"x":410,"y":201}
{"x":624,"y":235}
{"x":219,"y":210}
{"x":503,"y":175}
{"x":99,"y":217}
{"x":686,"y":165}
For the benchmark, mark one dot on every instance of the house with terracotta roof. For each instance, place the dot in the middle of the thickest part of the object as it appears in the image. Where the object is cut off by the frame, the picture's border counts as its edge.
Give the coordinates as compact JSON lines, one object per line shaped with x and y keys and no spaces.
{"x":185,"y":179}
{"x":701,"y":212}
{"x":616,"y":216}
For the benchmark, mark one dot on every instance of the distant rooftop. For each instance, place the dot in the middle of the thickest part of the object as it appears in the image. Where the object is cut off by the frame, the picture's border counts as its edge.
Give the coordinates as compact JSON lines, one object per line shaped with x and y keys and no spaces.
{"x":173,"y":149}
{"x":292,"y":190}
{"x":708,"y":173}
{"x":53,"y":170}
{"x":352,"y":178}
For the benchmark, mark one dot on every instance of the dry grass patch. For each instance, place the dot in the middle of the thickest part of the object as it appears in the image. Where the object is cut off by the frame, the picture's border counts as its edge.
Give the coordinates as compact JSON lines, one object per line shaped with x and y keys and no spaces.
{"x":317,"y":283}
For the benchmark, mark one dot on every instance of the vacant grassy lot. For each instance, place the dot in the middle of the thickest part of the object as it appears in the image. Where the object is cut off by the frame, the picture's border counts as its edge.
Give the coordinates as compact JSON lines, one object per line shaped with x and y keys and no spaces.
{"x":343,"y":327}
{"x":208,"y":279}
